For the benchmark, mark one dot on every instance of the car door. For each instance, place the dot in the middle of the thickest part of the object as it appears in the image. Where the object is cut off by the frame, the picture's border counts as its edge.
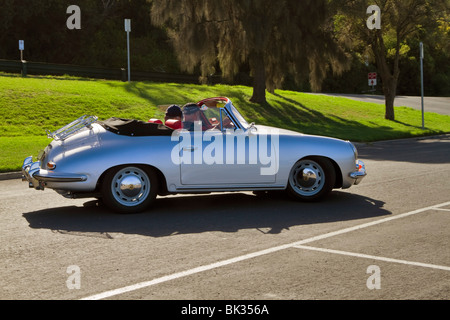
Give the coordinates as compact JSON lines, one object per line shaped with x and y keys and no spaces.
{"x":227,"y":157}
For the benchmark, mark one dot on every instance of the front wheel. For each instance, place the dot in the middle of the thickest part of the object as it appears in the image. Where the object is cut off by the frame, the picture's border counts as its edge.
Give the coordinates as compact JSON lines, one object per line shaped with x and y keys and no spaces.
{"x":129,"y":189}
{"x":311,"y":179}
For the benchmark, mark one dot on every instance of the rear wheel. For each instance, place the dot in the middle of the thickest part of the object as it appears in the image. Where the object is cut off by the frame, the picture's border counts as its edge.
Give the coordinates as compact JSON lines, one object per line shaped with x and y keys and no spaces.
{"x":311,"y":179}
{"x":129,"y":189}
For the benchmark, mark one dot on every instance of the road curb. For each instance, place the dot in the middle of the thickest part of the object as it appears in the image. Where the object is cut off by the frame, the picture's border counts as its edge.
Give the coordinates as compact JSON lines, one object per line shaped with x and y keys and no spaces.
{"x":11,"y":175}
{"x":417,"y":138}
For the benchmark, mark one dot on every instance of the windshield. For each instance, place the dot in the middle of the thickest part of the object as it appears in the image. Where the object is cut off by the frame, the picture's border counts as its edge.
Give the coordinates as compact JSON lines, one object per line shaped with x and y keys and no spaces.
{"x":211,"y":111}
{"x":239,"y":117}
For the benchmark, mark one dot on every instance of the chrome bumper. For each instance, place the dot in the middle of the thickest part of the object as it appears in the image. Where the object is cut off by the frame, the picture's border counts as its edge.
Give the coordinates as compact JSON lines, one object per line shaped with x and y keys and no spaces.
{"x":360,"y":172}
{"x":37,"y":177}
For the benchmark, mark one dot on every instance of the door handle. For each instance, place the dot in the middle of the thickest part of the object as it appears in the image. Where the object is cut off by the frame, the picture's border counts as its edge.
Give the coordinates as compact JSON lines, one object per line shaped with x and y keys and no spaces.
{"x":189,"y":149}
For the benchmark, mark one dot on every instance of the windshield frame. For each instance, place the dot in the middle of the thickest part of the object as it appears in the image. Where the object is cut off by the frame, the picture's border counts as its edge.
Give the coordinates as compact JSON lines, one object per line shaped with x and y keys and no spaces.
{"x":236,"y":116}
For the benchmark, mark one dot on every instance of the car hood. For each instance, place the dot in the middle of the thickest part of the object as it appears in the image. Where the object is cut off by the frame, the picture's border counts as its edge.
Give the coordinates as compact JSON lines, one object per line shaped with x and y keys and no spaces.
{"x":293,"y":134}
{"x":274,"y":130}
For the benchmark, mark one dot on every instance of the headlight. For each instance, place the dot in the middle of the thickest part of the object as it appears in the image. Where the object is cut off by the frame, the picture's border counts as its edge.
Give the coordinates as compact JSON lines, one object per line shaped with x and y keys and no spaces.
{"x":51,"y":165}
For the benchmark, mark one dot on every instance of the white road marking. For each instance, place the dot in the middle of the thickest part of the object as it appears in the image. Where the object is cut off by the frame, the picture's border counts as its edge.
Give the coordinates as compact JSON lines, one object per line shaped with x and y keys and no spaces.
{"x":442,"y":209}
{"x":222,"y":263}
{"x":366,"y":256}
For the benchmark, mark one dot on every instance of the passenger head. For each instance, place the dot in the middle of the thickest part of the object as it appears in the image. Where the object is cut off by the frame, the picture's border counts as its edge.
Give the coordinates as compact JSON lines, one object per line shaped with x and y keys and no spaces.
{"x":173,"y":112}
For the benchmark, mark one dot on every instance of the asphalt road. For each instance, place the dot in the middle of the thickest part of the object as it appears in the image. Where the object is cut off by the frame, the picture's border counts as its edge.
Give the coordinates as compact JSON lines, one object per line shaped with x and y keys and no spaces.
{"x":386,"y":238}
{"x":439,"y":105}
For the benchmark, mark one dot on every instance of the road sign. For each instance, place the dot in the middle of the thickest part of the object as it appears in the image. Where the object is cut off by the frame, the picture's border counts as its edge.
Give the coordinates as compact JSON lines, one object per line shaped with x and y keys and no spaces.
{"x":21,"y":48}
{"x":128,"y":25}
{"x":372,"y":76}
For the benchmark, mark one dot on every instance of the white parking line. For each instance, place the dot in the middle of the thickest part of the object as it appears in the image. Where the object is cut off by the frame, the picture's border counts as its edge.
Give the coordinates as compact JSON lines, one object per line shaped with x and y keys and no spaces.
{"x":366,"y":256}
{"x":442,"y":209}
{"x":218,"y":264}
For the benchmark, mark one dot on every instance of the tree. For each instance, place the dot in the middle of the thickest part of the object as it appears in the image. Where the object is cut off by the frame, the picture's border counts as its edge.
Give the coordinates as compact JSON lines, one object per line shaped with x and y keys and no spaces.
{"x":274,"y":38}
{"x":101,"y":41}
{"x":400,"y":20}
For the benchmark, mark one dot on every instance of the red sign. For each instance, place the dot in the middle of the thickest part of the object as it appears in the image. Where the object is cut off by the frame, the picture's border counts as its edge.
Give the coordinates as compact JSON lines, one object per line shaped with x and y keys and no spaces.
{"x":372,"y":76}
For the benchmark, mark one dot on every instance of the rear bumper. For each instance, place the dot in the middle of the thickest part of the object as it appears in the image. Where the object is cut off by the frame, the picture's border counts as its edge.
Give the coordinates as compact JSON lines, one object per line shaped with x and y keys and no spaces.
{"x":37,"y":177}
{"x":360,"y":172}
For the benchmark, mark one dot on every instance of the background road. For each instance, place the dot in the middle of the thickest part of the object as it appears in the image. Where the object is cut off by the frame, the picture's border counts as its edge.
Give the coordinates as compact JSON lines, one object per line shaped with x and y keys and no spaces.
{"x":439,"y":105}
{"x":240,"y":246}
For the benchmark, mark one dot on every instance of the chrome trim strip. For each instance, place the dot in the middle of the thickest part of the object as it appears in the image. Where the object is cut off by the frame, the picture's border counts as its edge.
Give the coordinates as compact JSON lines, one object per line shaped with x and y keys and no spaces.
{"x":213,"y":189}
{"x":58,"y":177}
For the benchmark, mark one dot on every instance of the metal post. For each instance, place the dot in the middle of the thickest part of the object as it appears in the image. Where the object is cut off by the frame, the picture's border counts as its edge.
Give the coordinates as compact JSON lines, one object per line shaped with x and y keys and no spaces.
{"x":421,"y":82}
{"x":128,"y":29}
{"x":128,"y":49}
{"x":24,"y":68}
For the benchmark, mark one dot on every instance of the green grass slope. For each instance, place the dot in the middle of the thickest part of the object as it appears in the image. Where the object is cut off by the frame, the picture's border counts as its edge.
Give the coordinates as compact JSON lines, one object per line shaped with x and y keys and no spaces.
{"x":30,"y":105}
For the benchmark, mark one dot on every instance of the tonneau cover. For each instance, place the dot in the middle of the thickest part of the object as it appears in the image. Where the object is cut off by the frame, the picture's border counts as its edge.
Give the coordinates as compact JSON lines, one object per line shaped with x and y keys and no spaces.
{"x":132,"y":127}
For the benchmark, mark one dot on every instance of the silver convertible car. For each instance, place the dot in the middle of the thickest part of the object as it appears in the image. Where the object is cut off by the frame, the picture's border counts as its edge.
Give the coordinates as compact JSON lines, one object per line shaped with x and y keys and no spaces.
{"x":127,"y":162}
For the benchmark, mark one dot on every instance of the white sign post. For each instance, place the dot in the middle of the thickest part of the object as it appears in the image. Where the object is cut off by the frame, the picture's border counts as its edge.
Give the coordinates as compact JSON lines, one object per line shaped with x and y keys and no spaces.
{"x":21,"y":48}
{"x":128,"y":30}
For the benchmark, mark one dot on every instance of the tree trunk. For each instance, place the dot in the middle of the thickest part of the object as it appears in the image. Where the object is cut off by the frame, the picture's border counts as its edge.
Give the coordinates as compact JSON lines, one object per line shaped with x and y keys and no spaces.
{"x":389,"y":97}
{"x":389,"y":90}
{"x":389,"y":80}
{"x":259,"y":79}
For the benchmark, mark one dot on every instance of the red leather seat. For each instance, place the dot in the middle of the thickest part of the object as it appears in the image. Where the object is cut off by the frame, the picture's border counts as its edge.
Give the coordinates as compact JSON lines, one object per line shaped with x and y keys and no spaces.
{"x":155,"y":121}
{"x":174,"y":124}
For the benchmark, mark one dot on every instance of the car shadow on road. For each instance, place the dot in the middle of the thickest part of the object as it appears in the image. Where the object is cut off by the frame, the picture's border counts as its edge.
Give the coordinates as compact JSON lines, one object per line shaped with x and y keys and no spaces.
{"x":229,"y":212}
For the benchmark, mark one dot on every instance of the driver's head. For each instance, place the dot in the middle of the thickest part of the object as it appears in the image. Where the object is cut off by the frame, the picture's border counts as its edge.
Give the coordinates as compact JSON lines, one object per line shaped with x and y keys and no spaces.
{"x":191,"y":112}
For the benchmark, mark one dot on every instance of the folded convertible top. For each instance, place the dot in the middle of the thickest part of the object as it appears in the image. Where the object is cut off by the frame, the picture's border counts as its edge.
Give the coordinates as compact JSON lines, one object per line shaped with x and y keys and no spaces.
{"x":132,"y":127}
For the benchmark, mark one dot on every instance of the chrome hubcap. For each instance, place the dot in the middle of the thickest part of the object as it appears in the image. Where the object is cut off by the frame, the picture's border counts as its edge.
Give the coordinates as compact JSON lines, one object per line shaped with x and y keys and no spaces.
{"x":307,"y":178}
{"x":130,"y":186}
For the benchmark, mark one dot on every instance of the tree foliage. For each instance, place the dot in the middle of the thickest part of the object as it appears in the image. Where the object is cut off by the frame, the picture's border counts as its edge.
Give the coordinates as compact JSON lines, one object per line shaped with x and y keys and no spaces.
{"x":401,"y":20}
{"x":287,"y":43}
{"x":274,"y":38}
{"x":101,"y":41}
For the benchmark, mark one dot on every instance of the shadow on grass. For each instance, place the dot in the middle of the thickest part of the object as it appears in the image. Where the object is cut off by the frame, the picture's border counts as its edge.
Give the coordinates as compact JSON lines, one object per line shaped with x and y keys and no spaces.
{"x":281,"y":111}
{"x":156,"y":93}
{"x":310,"y":121}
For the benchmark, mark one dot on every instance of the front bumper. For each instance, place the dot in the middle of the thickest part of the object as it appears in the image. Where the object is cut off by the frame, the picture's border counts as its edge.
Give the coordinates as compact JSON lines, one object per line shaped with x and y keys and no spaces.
{"x":37,"y":177}
{"x":360,"y":172}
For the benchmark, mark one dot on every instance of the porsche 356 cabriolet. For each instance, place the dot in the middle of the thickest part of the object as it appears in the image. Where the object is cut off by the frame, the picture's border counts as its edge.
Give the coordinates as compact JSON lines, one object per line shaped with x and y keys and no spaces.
{"x":127,"y":163}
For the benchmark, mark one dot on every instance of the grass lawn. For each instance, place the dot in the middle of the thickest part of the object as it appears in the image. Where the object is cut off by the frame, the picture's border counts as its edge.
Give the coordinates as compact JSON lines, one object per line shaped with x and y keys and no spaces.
{"x":30,"y":105}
